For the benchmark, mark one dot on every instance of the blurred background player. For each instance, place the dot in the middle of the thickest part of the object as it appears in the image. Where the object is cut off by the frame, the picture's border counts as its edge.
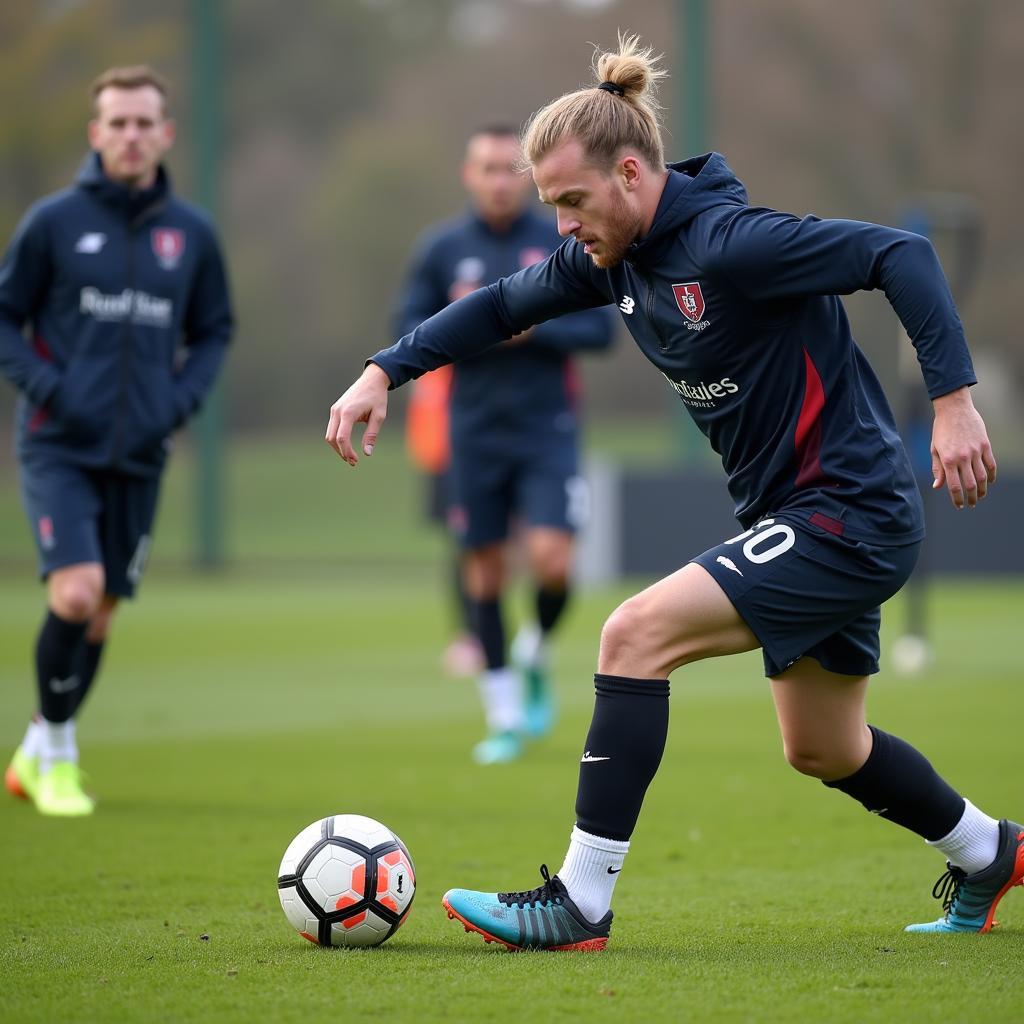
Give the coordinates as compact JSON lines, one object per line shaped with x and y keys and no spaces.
{"x":513,"y":429}
{"x":123,"y":293}
{"x":429,"y":447}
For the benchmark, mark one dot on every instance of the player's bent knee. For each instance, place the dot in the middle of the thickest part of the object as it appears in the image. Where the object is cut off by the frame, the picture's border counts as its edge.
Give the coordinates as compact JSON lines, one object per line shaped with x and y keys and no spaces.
{"x":817,"y":763}
{"x":633,"y":642}
{"x":76,"y":594}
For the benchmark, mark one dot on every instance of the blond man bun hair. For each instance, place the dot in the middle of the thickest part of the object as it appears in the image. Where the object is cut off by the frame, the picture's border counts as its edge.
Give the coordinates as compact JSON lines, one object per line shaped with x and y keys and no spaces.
{"x":603,"y":121}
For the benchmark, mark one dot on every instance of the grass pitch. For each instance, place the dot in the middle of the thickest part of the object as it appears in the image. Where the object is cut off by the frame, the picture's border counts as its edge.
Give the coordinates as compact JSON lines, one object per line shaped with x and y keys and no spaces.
{"x":235,"y":709}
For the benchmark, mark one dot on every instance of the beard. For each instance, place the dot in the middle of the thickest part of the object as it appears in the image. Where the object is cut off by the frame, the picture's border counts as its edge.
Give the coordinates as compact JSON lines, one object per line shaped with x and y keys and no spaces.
{"x":622,"y":228}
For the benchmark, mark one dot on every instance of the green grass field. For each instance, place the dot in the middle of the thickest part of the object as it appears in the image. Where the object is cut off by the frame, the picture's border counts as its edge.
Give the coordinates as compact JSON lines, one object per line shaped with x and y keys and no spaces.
{"x":235,"y":709}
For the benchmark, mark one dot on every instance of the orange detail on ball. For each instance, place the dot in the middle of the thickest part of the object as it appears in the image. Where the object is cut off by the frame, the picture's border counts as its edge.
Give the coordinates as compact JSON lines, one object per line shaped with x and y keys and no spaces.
{"x":359,"y":878}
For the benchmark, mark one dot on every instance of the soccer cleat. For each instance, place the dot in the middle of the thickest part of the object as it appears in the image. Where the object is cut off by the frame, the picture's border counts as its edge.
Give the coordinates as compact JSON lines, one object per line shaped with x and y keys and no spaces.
{"x":969,"y":901}
{"x":498,"y":748}
{"x":22,"y":775}
{"x":541,"y":918}
{"x":59,"y":792}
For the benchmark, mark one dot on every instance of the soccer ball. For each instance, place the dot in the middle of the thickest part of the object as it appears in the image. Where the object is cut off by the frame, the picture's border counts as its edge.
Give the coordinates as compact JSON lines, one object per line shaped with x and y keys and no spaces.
{"x":346,"y":881}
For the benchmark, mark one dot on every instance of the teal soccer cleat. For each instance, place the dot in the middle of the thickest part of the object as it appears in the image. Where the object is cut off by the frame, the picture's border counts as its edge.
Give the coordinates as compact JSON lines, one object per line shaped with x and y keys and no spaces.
{"x":970,"y":901}
{"x":541,"y":918}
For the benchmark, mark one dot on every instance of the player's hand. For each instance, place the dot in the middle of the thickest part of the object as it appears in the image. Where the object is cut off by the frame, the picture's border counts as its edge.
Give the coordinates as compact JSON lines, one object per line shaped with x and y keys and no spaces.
{"x":366,"y":401}
{"x":962,"y":458}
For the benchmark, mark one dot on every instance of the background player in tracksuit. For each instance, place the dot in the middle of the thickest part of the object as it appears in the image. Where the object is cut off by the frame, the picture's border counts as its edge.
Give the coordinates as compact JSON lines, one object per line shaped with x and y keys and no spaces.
{"x":737,"y":307}
{"x":122,"y":288}
{"x":513,"y":430}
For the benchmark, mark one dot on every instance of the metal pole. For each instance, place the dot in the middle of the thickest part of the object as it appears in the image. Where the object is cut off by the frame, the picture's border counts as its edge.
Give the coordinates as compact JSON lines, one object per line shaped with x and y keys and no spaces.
{"x":206,"y":123}
{"x":691,"y":132}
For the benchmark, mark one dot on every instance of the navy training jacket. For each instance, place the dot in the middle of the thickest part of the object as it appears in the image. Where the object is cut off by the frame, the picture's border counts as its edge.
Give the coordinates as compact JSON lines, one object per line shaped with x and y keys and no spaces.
{"x":738,"y":307}
{"x":127,"y":302}
{"x":513,"y":393}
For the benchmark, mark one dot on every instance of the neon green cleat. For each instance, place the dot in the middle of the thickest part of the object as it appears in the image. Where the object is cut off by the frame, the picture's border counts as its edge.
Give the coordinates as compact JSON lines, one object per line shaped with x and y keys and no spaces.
{"x":59,"y":792}
{"x":22,"y":775}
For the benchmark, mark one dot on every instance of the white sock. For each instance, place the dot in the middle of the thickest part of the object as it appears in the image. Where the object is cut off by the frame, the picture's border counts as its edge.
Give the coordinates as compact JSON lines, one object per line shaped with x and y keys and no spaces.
{"x":529,"y":648}
{"x":57,"y":743}
{"x":590,"y":871}
{"x":973,"y":843}
{"x":33,"y":738}
{"x":501,"y":690}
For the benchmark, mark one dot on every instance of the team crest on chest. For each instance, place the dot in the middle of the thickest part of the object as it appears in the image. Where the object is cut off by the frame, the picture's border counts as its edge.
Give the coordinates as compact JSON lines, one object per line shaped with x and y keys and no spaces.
{"x":690,"y":301}
{"x":168,"y":246}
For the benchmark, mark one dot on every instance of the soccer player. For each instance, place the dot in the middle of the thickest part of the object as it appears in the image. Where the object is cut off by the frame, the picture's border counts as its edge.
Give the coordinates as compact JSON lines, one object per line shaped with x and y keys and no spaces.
{"x":114,"y":320}
{"x":513,"y":431}
{"x":737,"y":307}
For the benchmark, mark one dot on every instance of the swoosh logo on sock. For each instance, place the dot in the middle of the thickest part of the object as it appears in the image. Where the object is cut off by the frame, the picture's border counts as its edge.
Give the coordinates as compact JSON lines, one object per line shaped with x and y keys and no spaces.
{"x":614,"y":871}
{"x":587,"y":759}
{"x":64,"y":685}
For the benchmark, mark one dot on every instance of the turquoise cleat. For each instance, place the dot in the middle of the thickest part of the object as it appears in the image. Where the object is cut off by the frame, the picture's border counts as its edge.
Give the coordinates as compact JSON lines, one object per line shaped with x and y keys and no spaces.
{"x":498,"y":748}
{"x":970,"y":901}
{"x":541,"y":918}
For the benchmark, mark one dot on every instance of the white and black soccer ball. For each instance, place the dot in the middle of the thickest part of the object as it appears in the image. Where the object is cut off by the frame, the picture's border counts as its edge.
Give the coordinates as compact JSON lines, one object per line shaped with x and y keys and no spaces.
{"x":346,"y":880}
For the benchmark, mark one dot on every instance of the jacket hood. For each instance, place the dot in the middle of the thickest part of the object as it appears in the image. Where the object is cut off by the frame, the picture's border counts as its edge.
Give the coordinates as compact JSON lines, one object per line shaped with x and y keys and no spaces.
{"x":693,"y":186}
{"x":135,"y":204}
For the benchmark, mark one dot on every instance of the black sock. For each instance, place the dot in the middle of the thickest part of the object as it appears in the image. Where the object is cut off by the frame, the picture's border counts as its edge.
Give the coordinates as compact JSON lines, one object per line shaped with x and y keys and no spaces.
{"x":87,"y":662}
{"x":550,"y":605}
{"x":463,"y":603}
{"x":56,"y":675}
{"x":491,"y":630}
{"x":623,"y":750}
{"x":898,"y":783}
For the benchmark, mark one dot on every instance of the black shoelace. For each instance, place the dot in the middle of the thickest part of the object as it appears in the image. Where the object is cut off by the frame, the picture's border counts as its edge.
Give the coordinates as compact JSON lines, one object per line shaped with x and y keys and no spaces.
{"x":550,"y":892}
{"x":947,"y":888}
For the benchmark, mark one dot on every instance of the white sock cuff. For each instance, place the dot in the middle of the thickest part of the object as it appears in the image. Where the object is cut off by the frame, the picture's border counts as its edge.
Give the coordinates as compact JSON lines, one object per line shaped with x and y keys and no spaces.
{"x":617,"y":846}
{"x":973,"y":825}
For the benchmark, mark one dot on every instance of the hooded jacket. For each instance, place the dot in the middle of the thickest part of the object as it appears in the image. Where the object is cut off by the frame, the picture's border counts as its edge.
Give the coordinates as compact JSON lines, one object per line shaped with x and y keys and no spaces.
{"x":738,"y":307}
{"x":126,"y":300}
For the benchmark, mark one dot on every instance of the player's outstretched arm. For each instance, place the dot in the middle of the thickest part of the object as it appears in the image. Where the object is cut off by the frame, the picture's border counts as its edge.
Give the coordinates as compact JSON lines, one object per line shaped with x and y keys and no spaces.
{"x":962,"y":458}
{"x":366,"y":401}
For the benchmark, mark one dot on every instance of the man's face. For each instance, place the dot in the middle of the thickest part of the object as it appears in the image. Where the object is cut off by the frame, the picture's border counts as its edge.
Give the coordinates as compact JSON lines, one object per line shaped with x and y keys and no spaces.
{"x":597,"y":208}
{"x":492,"y":177}
{"x":130,"y":134}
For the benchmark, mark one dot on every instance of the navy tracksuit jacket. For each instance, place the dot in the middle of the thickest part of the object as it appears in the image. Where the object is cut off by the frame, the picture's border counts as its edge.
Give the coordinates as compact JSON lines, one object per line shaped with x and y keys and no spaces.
{"x":506,"y":397}
{"x":738,"y":307}
{"x":126,"y":298}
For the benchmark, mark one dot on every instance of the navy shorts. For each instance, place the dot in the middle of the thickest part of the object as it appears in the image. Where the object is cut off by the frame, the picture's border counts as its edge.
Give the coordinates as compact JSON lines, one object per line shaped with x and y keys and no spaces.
{"x":806,"y":590}
{"x":79,"y":514}
{"x":537,"y":487}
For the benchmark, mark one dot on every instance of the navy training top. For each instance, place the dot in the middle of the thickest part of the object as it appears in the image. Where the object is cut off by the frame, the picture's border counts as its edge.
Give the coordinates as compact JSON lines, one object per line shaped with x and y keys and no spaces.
{"x":126,"y":298}
{"x":738,"y":307}
{"x":511,"y":393}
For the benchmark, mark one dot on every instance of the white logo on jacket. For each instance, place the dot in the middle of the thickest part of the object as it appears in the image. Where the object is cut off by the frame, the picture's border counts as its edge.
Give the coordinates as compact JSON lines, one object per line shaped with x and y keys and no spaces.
{"x":139,"y":307}
{"x":91,"y":242}
{"x":627,"y":304}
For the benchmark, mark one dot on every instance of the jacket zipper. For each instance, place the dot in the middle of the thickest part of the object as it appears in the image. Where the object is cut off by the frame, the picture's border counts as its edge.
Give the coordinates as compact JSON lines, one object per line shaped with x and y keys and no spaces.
{"x":662,"y":343}
{"x":126,"y":353}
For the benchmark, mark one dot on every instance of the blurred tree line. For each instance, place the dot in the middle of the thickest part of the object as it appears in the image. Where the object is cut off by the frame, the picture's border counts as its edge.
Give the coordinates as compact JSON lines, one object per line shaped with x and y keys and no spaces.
{"x":345,"y":120}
